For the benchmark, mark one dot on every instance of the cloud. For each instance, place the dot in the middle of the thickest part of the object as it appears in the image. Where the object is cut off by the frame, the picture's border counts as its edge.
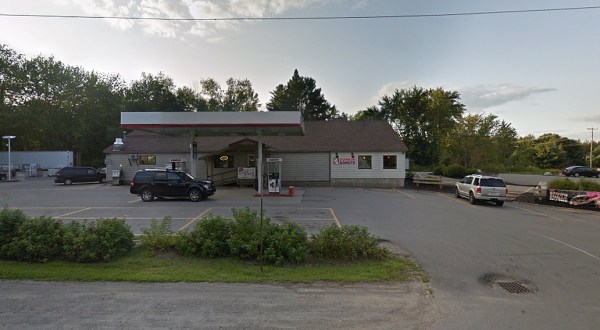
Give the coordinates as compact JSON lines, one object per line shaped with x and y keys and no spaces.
{"x":390,"y":88}
{"x":198,"y":9}
{"x":487,"y":96}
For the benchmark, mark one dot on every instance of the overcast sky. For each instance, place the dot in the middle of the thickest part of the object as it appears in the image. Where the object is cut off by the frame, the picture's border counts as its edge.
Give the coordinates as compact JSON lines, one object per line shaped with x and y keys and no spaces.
{"x":538,"y":71}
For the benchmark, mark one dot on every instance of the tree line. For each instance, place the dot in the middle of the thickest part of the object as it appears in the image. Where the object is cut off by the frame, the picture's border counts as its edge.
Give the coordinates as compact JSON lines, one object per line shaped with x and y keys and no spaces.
{"x":50,"y":105}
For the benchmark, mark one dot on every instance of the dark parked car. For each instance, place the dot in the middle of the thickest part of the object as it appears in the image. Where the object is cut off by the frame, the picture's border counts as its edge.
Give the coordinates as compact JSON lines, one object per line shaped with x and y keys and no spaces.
{"x":68,"y":175}
{"x":167,"y":183}
{"x":581,"y":171}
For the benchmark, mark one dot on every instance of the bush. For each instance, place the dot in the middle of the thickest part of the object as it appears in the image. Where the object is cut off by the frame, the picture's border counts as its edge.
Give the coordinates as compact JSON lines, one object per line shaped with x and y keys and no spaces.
{"x":455,"y":171}
{"x":208,"y":239}
{"x":346,"y":243}
{"x":102,"y":240}
{"x":244,"y":234}
{"x":159,"y":236}
{"x":439,"y":170}
{"x":10,"y":220}
{"x":567,"y":184}
{"x":287,"y":243}
{"x":37,"y":240}
{"x":588,"y":185}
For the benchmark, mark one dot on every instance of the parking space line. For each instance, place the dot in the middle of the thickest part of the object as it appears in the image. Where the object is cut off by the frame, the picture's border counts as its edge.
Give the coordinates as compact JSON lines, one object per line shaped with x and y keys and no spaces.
{"x":538,"y":213}
{"x":125,"y":218}
{"x":337,"y":221}
{"x":195,"y":219}
{"x":565,"y":244}
{"x":66,"y":214}
{"x":457,"y":200}
{"x":404,"y":193}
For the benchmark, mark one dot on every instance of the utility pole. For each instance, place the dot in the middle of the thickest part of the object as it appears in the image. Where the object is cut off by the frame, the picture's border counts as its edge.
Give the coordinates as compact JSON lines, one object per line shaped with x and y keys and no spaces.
{"x":592,"y":144}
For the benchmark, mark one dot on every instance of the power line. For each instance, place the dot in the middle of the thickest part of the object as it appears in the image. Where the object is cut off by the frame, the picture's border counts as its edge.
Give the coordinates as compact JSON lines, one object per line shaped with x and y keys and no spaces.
{"x":180,"y":19}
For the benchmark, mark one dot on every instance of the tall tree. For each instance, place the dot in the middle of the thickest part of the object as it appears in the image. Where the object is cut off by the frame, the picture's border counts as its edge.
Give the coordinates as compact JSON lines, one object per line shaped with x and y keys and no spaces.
{"x":480,"y":141}
{"x":301,"y":94}
{"x":239,"y":95}
{"x":152,"y":93}
{"x":423,"y":118}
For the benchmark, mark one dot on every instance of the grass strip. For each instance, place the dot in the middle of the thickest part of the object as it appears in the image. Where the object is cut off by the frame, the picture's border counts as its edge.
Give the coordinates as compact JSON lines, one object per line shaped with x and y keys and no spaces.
{"x":141,"y":266}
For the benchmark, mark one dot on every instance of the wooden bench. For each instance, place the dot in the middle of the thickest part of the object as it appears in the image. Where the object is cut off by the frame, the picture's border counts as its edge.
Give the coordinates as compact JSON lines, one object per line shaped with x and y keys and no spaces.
{"x":429,"y":179}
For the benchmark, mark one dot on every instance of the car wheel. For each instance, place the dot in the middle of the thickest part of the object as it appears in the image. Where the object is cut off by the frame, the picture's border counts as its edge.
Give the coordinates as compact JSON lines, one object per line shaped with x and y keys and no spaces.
{"x":457,"y":193}
{"x":499,"y":203}
{"x":102,"y":180}
{"x":147,"y":195}
{"x":576,"y":174}
{"x":472,"y":199}
{"x":68,"y":182}
{"x":195,"y":195}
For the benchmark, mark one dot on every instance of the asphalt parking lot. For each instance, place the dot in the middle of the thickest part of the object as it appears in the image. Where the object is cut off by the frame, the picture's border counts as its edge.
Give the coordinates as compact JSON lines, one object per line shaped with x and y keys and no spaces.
{"x":464,"y":248}
{"x":90,"y":201}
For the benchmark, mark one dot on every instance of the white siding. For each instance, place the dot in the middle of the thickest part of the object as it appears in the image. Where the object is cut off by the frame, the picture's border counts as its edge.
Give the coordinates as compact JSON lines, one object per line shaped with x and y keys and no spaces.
{"x":351,"y":171}
{"x":304,"y":166}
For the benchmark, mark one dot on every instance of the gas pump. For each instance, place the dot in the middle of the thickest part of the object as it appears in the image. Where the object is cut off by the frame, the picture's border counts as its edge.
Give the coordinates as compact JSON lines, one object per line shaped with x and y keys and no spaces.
{"x":274,"y":174}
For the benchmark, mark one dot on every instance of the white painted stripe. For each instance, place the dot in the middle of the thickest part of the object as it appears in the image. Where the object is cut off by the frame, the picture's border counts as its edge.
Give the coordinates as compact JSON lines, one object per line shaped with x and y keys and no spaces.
{"x":66,"y":214}
{"x":566,"y":244}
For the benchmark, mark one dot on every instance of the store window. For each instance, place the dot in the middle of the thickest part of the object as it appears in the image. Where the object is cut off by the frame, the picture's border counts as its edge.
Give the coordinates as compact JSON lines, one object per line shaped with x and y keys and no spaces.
{"x":389,"y":162}
{"x":224,"y":161}
{"x":364,"y":162}
{"x":147,"y":159}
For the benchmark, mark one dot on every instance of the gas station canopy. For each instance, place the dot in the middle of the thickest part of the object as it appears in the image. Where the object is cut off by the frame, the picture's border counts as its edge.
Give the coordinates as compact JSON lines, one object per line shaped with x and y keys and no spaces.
{"x":281,"y":123}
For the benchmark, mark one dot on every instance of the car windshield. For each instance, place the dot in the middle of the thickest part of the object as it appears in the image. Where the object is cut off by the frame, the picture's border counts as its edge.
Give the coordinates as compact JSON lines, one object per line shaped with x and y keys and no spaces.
{"x":186,"y":176}
{"x":492,"y":182}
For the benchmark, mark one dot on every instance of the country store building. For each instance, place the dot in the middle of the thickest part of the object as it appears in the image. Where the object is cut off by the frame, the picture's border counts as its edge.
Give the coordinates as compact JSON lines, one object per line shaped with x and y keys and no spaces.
{"x":323,"y":153}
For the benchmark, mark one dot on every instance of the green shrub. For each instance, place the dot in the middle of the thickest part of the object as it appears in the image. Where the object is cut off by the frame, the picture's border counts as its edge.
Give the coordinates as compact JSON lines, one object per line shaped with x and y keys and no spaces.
{"x":287,"y":243}
{"x":102,"y":240}
{"x":563,"y":184}
{"x":207,"y":239}
{"x":470,"y":170}
{"x":37,"y":240}
{"x":588,"y":185}
{"x":346,"y":243}
{"x":10,"y":220}
{"x":159,"y":236}
{"x":455,"y":171}
{"x":244,"y":234}
{"x":439,"y":170}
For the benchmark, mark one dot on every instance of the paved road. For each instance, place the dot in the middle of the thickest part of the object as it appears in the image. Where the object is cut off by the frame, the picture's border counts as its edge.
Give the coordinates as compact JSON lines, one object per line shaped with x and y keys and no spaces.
{"x":465,"y":250}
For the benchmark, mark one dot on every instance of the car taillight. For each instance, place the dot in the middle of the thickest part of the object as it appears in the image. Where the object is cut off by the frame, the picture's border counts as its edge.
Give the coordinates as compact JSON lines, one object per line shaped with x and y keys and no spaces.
{"x":132,"y":184}
{"x":478,"y":190}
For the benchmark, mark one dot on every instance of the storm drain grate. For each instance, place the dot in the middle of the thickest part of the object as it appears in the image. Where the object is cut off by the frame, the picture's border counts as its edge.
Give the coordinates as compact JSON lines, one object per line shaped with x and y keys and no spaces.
{"x":514,"y":287}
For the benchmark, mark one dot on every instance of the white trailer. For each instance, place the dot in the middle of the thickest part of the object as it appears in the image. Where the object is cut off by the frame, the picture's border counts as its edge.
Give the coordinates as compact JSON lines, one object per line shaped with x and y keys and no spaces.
{"x":31,"y":161}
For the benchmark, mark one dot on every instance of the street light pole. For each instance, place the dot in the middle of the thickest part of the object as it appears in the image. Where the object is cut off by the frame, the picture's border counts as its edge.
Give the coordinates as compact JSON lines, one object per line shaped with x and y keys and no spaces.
{"x":9,"y":137}
{"x":592,"y":144}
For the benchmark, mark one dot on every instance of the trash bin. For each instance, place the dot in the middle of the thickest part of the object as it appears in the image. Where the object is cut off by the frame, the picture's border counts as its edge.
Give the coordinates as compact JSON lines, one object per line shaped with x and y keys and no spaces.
{"x":291,"y":190}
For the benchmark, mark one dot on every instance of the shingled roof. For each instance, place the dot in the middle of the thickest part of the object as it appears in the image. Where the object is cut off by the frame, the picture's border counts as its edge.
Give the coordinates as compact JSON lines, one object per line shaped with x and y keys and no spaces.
{"x":320,"y":136}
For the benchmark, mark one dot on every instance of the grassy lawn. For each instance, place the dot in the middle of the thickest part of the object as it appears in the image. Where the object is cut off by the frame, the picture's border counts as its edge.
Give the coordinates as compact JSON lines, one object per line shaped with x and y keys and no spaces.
{"x":141,"y":266}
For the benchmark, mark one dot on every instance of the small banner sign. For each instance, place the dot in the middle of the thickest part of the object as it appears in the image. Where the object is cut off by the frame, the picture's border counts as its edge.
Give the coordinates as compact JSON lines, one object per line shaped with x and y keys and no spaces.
{"x":587,"y":198}
{"x":246,"y":173}
{"x":344,"y":161}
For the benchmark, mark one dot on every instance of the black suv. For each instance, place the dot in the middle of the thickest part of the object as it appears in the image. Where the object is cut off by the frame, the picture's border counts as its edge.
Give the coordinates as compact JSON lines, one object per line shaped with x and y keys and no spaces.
{"x":68,"y":175}
{"x":166,"y":183}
